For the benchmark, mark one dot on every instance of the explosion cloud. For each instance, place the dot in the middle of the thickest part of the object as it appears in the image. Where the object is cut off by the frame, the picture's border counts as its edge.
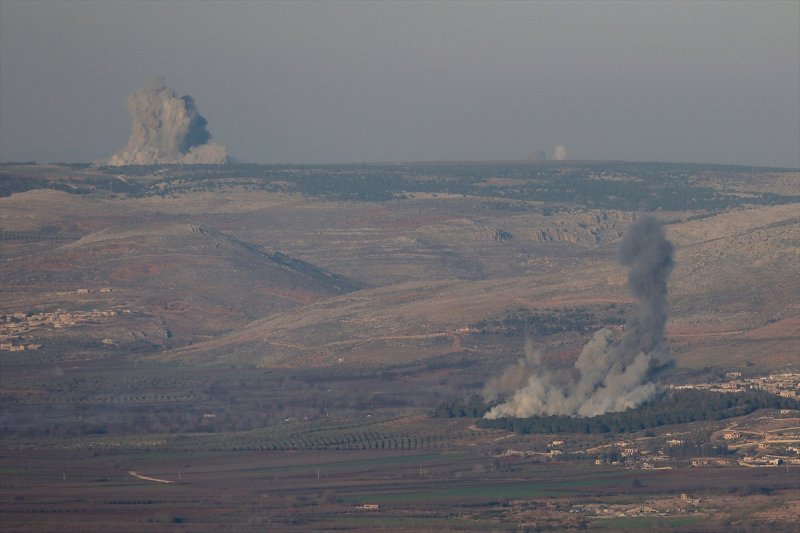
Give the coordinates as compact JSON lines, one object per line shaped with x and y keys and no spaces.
{"x":612,"y":376}
{"x":167,"y":129}
{"x":560,"y":153}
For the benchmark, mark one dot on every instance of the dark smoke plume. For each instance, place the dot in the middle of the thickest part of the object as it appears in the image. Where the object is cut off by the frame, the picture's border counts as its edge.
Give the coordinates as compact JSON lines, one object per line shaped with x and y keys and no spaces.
{"x":612,"y":375}
{"x":167,"y":129}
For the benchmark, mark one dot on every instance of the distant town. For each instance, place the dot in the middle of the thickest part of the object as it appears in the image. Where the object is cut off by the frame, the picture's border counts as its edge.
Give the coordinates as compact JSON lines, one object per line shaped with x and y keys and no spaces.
{"x":772,"y":440}
{"x":786,"y":384}
{"x":16,"y":328}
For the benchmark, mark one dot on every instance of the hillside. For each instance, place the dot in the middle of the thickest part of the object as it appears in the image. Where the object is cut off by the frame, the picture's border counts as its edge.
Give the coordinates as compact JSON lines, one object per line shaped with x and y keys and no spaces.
{"x":300,"y":337}
{"x":186,"y":281}
{"x":375,"y":265}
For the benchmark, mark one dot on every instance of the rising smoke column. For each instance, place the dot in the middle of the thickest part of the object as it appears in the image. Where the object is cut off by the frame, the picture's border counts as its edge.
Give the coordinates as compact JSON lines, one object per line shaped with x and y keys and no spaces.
{"x":167,"y":129}
{"x":612,"y":375}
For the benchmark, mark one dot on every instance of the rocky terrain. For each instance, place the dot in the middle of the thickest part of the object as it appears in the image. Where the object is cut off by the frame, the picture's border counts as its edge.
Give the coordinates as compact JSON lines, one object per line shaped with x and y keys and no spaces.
{"x":305,"y":347}
{"x":269,"y":267}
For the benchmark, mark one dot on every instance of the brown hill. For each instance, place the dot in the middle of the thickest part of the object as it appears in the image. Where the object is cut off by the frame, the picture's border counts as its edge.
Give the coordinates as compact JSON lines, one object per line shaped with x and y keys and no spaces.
{"x":202,"y":262}
{"x":197,"y":281}
{"x":734,"y":274}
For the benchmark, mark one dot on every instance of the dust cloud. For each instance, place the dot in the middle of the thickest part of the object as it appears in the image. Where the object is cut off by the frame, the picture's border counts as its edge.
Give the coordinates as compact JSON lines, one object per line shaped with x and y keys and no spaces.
{"x":167,"y":129}
{"x":612,"y":375}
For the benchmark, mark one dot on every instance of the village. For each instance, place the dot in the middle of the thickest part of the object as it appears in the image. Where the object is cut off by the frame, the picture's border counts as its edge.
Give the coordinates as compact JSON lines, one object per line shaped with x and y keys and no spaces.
{"x":769,"y":439}
{"x":16,"y":328}
{"x":785,"y":384}
{"x":654,"y":507}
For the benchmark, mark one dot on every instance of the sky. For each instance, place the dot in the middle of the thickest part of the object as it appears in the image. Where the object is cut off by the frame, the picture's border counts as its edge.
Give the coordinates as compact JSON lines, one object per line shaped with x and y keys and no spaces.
{"x":339,"y":82}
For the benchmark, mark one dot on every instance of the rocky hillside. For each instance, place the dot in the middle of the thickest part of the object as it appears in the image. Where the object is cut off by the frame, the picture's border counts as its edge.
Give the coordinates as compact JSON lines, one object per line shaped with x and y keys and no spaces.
{"x":385,"y":263}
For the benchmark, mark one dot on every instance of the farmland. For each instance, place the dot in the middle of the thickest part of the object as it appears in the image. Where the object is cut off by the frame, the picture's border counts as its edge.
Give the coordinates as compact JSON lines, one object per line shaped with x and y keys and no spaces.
{"x":252,"y":348}
{"x":367,"y":490}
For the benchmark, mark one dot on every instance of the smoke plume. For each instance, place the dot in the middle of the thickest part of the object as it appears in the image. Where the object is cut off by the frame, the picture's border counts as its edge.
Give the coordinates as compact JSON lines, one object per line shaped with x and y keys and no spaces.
{"x":167,"y":129}
{"x":612,"y":375}
{"x":560,"y":153}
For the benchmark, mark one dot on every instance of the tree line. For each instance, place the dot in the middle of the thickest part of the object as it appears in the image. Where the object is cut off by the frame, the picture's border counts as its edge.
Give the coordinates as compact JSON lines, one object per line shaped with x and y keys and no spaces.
{"x":673,"y":407}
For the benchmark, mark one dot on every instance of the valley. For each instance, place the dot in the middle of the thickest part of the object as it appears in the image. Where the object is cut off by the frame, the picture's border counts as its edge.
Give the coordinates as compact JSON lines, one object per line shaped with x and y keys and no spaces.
{"x":275,"y":341}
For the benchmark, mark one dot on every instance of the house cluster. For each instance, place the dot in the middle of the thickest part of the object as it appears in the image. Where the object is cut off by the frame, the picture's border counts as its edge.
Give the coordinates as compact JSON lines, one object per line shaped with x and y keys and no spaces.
{"x":661,"y":507}
{"x":19,"y":347}
{"x":529,"y":453}
{"x":89,"y":291}
{"x":553,"y":450}
{"x":620,"y":453}
{"x":710,"y":462}
{"x":773,"y":448}
{"x":15,"y":328}
{"x":786,"y":384}
{"x":766,"y":460}
{"x":730,"y":434}
{"x":770,"y":448}
{"x":627,"y":454}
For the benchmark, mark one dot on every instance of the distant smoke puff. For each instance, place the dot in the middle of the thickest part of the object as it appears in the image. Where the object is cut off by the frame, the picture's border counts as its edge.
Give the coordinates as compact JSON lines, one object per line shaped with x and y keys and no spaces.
{"x":560,"y":153}
{"x":613,"y":376}
{"x":167,"y":129}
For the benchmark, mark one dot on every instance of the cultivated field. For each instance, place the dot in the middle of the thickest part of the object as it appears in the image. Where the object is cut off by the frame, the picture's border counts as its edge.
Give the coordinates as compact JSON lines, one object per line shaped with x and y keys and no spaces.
{"x":252,"y":348}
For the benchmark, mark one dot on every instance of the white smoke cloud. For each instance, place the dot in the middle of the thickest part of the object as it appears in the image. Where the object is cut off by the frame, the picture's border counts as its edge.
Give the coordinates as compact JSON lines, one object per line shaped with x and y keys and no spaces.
{"x":560,"y":153}
{"x":613,"y":376}
{"x":167,"y":129}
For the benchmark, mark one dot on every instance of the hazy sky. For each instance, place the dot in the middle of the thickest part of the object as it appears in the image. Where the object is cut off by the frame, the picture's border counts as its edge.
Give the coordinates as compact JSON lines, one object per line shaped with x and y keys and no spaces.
{"x":398,"y":81}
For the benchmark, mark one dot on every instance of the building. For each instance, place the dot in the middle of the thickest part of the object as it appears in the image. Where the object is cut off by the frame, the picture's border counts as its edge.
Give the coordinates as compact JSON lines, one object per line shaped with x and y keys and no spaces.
{"x":689,"y":500}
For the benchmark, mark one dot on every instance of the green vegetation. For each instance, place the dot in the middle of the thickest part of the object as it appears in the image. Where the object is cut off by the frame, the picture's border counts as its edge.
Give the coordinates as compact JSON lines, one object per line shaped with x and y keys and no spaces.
{"x":625,"y":186}
{"x":676,"y":407}
{"x":336,"y":408}
{"x":474,"y":407}
{"x":492,"y":492}
{"x":334,"y":430}
{"x":621,"y":185}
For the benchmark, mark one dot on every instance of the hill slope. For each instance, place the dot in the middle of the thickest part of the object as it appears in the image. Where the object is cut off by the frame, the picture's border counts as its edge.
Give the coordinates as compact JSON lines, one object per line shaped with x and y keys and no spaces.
{"x":198,"y":282}
{"x":735,"y":272}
